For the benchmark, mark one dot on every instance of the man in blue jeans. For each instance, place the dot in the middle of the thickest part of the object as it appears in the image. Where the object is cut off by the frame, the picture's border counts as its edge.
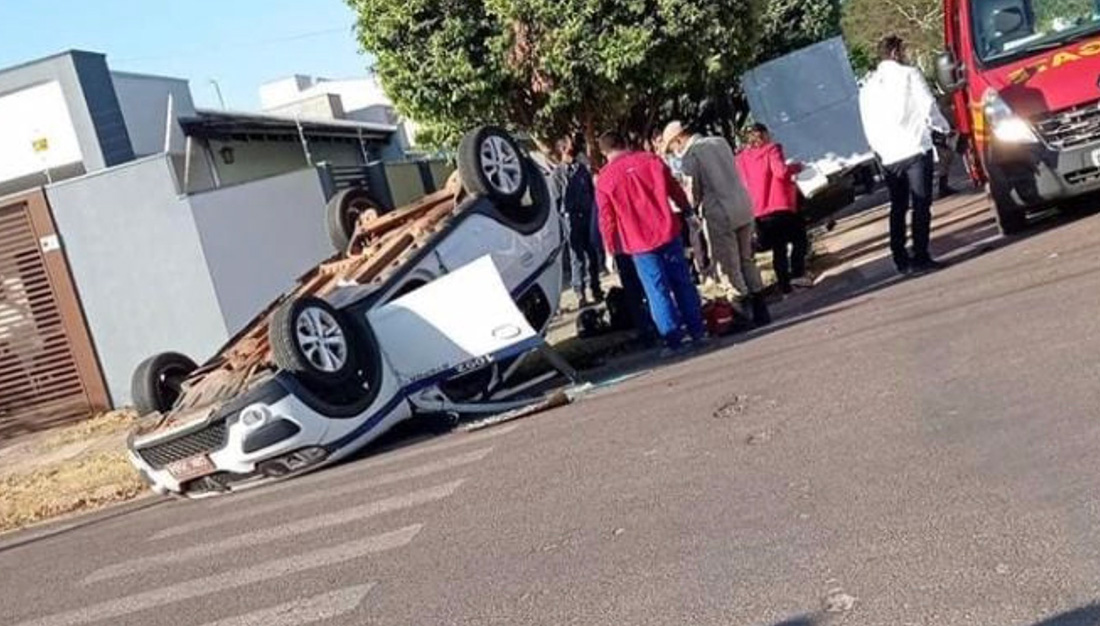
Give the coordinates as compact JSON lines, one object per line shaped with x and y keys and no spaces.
{"x":635,"y":216}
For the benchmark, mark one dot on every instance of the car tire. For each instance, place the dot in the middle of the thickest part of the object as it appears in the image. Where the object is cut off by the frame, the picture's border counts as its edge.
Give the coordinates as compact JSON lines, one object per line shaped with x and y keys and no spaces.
{"x":157,"y":381}
{"x":312,"y":340}
{"x":491,"y":164}
{"x":1011,"y":218}
{"x":343,"y":213}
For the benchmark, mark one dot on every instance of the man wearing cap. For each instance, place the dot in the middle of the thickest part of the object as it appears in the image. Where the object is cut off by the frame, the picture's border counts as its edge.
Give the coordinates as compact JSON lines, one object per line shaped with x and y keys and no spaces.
{"x":725,"y":204}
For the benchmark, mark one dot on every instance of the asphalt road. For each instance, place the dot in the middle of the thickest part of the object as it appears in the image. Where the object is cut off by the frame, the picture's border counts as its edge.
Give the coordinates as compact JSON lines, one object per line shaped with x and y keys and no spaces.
{"x":922,"y":452}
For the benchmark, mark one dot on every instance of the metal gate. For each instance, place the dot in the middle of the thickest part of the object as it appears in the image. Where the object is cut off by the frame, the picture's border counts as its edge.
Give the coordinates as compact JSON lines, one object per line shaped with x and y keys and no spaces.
{"x":48,"y":369}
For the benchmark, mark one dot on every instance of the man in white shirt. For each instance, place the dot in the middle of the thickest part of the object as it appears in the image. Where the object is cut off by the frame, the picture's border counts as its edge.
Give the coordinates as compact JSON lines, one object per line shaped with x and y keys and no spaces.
{"x":899,"y":114}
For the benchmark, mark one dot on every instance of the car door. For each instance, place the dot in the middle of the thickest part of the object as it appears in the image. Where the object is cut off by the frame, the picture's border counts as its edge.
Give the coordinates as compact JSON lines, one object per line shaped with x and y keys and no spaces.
{"x":457,"y":323}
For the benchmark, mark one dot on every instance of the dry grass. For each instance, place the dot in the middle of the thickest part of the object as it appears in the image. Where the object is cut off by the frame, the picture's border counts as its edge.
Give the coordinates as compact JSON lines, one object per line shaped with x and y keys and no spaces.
{"x":68,"y":470}
{"x":93,"y":428}
{"x":74,"y":485}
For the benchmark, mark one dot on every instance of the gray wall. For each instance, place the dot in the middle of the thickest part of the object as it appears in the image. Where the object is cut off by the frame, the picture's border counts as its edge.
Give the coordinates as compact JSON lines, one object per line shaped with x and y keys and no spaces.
{"x":144,"y":103}
{"x":255,"y":160}
{"x":138,"y":264}
{"x":103,"y":107}
{"x":258,"y":237}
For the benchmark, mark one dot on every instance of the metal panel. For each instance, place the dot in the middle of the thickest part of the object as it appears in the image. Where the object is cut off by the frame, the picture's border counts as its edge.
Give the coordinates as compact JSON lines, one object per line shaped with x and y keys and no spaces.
{"x":809,"y":100}
{"x":48,"y":369}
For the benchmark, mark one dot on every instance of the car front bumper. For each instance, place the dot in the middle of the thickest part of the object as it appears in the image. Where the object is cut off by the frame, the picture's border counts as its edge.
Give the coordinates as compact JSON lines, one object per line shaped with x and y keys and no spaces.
{"x":1035,"y":175}
{"x":225,"y":449}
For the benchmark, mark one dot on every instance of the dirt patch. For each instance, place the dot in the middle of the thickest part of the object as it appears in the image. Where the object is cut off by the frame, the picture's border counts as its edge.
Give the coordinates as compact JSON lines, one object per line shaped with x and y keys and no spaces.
{"x":88,"y":430}
{"x":68,"y":470}
{"x":78,"y":485}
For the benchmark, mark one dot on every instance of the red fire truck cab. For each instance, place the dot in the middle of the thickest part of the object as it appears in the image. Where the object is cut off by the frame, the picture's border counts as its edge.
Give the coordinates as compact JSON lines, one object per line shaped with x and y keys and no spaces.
{"x":1025,"y":75}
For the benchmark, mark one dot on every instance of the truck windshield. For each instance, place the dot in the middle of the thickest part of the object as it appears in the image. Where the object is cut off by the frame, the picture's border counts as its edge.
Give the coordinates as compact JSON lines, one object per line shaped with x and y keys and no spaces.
{"x":1008,"y":29}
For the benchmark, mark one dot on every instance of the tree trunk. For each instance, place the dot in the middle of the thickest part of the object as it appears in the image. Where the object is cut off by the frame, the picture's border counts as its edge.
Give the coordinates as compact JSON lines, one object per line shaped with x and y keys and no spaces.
{"x":591,"y":141}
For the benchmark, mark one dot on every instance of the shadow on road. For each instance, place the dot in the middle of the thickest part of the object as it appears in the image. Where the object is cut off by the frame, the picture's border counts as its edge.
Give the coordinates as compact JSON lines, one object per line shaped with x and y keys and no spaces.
{"x":1084,"y":616}
{"x":805,"y":620}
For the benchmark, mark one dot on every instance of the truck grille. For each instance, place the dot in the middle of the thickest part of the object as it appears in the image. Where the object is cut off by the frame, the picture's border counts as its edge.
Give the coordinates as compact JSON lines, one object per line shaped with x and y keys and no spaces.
{"x":1072,"y":127}
{"x":204,"y":441}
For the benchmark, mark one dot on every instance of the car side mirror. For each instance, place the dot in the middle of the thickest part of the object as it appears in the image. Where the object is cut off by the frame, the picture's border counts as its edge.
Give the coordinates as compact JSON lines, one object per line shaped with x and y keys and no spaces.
{"x":1008,"y":20}
{"x":949,"y":74}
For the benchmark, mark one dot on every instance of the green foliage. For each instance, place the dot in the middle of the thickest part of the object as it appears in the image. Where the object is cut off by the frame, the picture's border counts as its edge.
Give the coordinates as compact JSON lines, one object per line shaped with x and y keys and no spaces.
{"x":918,"y":22}
{"x":863,"y":59}
{"x":553,"y":67}
{"x":788,"y":25}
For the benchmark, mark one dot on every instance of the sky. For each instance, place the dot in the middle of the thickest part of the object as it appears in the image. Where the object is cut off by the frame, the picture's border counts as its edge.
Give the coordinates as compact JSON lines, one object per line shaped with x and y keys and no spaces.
{"x":239,"y":43}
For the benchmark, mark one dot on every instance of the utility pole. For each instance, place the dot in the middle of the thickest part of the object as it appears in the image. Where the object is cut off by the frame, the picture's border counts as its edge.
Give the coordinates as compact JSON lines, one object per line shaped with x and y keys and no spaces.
{"x":218,"y":90}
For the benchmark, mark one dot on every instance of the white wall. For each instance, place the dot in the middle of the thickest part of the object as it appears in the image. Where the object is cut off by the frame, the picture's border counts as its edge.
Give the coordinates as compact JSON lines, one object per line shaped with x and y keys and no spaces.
{"x":355,"y":93}
{"x":30,"y":114}
{"x":257,"y":238}
{"x":138,"y":264}
{"x":283,"y":91}
{"x":144,"y":103}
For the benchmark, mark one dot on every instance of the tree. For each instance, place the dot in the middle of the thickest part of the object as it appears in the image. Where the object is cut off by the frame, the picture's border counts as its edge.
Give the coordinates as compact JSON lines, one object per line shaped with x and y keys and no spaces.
{"x":918,"y":22}
{"x":557,"y":66}
{"x":788,"y":25}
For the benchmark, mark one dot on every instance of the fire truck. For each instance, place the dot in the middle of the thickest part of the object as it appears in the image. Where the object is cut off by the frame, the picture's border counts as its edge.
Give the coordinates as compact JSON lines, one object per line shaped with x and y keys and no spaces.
{"x":1025,"y":78}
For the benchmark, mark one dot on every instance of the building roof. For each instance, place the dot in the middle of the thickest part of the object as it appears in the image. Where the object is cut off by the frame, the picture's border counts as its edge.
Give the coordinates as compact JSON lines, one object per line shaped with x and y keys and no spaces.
{"x":217,"y":124}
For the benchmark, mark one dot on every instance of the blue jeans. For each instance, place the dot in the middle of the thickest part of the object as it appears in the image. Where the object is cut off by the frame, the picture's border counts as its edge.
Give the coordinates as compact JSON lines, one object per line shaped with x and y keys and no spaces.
{"x":673,"y":300}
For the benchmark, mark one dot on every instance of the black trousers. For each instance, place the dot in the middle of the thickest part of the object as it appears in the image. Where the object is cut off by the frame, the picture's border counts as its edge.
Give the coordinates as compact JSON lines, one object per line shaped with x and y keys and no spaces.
{"x":910,"y":184}
{"x":583,"y":255}
{"x":636,"y":304}
{"x":785,"y":233}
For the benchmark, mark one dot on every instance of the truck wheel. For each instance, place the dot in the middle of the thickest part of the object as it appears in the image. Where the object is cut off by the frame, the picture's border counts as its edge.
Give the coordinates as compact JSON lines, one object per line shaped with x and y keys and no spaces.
{"x":491,"y":164}
{"x":158,"y":381}
{"x":343,"y":212}
{"x":312,"y":340}
{"x":1011,"y":218}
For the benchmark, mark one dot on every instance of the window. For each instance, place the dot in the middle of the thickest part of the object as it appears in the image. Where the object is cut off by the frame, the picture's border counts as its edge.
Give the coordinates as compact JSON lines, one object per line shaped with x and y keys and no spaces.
{"x":1005,"y":30}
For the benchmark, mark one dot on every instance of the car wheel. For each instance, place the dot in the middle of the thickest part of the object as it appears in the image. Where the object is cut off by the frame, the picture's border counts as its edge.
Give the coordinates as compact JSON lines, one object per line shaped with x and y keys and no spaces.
{"x":491,"y":164}
{"x":1011,"y":218}
{"x":343,"y":213}
{"x":158,"y":381}
{"x":312,"y":340}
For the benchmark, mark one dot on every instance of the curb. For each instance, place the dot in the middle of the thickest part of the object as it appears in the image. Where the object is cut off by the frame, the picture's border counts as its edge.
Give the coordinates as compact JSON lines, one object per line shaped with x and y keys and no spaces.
{"x":47,"y":529}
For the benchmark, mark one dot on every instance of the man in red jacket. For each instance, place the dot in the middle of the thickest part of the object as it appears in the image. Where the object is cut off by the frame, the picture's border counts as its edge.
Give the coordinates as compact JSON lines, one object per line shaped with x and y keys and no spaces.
{"x":632,"y":194}
{"x":774,"y":195}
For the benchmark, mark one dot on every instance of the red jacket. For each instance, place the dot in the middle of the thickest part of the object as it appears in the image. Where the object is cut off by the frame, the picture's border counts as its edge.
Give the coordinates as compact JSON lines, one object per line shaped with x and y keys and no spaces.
{"x":633,"y":193}
{"x":768,"y":179}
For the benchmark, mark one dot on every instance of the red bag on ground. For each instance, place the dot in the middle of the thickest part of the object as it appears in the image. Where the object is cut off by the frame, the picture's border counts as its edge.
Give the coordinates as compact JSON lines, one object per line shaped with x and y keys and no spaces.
{"x":719,"y":316}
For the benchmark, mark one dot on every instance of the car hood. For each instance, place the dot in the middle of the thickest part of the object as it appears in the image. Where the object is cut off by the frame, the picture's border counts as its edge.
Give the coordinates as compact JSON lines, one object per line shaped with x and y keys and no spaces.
{"x":1052,"y":80}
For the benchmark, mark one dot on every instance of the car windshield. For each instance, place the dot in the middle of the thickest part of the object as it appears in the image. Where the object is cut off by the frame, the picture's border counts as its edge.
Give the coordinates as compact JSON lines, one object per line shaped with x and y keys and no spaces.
{"x":1007,"y":29}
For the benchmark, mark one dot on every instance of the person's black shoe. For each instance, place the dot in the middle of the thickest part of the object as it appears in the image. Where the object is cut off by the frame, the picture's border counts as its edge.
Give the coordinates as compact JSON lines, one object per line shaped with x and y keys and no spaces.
{"x":760,"y":314}
{"x":926,"y":266}
{"x":597,"y":296}
{"x":946,"y":190}
{"x":905,"y":270}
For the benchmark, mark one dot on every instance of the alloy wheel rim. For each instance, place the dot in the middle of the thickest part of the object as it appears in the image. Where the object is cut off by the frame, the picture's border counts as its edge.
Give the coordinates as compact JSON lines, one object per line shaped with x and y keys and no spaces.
{"x":321,"y":340}
{"x":501,"y":164}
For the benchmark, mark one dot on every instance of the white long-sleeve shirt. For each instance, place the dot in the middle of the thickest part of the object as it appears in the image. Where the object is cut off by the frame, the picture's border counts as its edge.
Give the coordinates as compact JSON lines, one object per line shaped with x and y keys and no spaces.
{"x":899,"y":112}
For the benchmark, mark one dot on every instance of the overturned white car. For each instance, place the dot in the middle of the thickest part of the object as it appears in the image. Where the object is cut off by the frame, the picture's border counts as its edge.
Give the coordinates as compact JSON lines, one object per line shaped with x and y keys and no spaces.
{"x":431,"y":309}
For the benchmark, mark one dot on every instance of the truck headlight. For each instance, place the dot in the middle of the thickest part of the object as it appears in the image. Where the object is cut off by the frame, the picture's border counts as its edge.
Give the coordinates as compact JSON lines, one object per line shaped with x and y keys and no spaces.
{"x":1004,"y":124}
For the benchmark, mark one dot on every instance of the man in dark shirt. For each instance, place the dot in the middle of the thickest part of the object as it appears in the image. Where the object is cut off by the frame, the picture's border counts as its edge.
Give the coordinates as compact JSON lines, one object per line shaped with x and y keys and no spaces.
{"x":578,"y":208}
